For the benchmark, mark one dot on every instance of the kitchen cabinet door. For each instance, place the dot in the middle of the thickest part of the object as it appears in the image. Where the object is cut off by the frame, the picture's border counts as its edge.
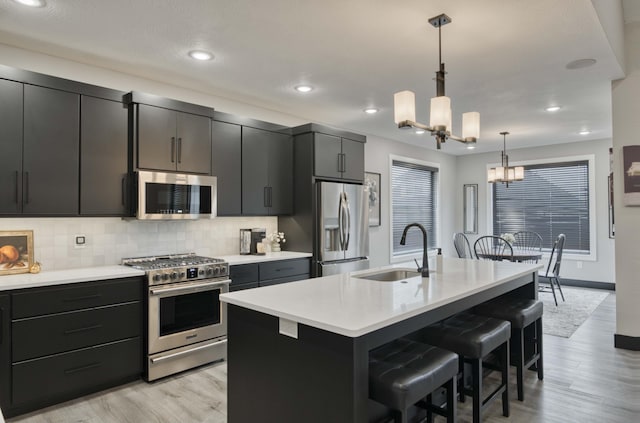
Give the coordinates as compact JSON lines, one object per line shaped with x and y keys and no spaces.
{"x":51,"y":151}
{"x":193,"y":150}
{"x":226,"y":165}
{"x":327,"y":155}
{"x":255,"y":171}
{"x":280,"y":174}
{"x":11,"y":146}
{"x":103,"y":159}
{"x":353,"y":160}
{"x":156,"y":138}
{"x":5,"y":351}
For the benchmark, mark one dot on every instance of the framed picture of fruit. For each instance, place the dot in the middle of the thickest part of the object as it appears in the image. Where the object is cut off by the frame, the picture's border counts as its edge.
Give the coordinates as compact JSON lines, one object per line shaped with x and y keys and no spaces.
{"x":16,"y":252}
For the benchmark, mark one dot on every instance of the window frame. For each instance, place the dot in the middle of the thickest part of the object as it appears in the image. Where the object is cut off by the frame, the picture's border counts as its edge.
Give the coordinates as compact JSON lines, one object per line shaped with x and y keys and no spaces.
{"x":591,"y":159}
{"x":401,"y":258}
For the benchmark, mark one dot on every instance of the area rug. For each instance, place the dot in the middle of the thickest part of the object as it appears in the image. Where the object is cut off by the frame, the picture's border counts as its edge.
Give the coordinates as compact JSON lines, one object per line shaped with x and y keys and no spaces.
{"x":567,"y":317}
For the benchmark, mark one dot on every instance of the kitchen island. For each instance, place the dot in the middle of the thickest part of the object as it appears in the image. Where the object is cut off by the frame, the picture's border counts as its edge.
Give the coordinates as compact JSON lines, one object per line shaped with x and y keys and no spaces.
{"x":300,"y":351}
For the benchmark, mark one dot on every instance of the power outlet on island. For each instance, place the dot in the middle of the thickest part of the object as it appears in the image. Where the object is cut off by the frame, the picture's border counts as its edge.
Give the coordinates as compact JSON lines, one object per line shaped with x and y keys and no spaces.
{"x":579,"y":264}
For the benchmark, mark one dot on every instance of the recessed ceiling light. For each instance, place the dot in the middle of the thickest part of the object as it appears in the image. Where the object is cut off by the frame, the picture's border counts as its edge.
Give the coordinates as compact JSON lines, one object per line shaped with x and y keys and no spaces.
{"x":371,"y":110}
{"x":200,"y":55}
{"x":553,"y":108}
{"x":420,"y":131}
{"x":304,"y":88}
{"x":585,"y":132}
{"x":31,"y":3}
{"x":581,"y":63}
{"x":470,"y":147}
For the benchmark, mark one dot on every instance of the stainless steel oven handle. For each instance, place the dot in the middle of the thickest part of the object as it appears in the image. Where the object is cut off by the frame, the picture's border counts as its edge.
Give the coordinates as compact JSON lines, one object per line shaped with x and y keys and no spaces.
{"x":190,"y":288}
{"x":192,"y":350}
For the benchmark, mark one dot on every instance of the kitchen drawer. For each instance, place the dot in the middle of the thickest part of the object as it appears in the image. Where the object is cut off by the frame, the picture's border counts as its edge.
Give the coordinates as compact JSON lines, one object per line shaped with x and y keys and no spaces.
{"x":284,"y":280}
{"x":39,"y":301}
{"x":73,"y":330}
{"x":240,"y":287}
{"x":64,"y":376}
{"x":284,"y":268}
{"x":243,"y":273}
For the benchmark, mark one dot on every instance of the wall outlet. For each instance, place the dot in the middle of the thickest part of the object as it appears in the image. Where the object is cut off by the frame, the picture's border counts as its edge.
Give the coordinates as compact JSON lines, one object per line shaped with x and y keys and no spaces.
{"x":579,"y":264}
{"x":80,"y":241}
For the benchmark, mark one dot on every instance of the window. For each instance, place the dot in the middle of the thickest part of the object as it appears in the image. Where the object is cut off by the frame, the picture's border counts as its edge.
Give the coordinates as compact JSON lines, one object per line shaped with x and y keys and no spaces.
{"x":553,"y":198}
{"x":414,"y":188}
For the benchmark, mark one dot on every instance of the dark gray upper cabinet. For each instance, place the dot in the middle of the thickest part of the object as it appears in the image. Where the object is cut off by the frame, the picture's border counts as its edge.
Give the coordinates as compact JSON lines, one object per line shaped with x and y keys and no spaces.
{"x":337,"y":157}
{"x":226,"y":165}
{"x":11,"y":147}
{"x":50,"y":151}
{"x":103,"y":158}
{"x":267,"y":172}
{"x":173,"y":140}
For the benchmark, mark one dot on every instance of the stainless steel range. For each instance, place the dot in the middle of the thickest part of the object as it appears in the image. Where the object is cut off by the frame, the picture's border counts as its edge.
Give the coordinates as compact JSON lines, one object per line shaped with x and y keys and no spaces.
{"x":186,"y":322}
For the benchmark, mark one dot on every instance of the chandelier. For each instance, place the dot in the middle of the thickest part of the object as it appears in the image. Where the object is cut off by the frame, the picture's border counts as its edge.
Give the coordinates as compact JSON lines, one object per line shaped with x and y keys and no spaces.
{"x":404,"y":105}
{"x":505,"y":173}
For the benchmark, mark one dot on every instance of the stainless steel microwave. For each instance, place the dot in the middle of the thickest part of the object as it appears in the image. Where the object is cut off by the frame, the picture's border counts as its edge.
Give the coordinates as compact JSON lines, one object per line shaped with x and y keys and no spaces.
{"x":168,"y":196}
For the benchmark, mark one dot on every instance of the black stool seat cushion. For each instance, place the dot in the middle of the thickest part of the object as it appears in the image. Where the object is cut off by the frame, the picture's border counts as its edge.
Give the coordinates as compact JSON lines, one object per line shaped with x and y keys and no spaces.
{"x":520,"y":312}
{"x":470,"y":335}
{"x":404,"y":371}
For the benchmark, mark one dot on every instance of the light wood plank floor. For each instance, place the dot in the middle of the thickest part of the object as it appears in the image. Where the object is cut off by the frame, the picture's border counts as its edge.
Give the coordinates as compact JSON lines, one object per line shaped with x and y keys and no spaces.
{"x":586,"y":380}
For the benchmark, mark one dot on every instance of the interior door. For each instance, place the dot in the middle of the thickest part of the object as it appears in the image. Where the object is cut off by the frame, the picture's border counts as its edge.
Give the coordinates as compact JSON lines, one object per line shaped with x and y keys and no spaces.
{"x":357,"y":222}
{"x":330,"y":220}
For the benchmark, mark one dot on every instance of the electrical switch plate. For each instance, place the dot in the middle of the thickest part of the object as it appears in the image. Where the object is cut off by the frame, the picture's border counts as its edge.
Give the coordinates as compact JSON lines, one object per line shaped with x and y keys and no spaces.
{"x":80,"y":241}
{"x":579,"y":264}
{"x":289,"y":328}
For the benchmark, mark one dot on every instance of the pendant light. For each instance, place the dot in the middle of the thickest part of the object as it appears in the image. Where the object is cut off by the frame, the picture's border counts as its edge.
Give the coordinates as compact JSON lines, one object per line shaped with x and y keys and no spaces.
{"x":504,"y":173}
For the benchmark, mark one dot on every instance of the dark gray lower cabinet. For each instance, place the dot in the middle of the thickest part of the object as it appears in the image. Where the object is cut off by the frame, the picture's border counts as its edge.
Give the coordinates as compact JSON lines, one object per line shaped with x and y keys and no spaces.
{"x":254,"y":275}
{"x":71,"y":340}
{"x":5,"y":351}
{"x":103,"y":157}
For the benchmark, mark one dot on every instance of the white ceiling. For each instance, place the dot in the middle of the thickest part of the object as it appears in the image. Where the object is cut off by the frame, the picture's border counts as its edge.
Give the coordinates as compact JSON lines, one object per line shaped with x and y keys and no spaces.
{"x":504,"y":58}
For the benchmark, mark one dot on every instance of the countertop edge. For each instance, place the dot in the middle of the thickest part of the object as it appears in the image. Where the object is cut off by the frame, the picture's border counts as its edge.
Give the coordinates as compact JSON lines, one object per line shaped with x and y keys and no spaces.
{"x":238,"y":259}
{"x":67,"y":276}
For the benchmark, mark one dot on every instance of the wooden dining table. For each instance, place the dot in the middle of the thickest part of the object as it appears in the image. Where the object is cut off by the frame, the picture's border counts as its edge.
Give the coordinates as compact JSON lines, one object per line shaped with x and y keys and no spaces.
{"x":519,"y":255}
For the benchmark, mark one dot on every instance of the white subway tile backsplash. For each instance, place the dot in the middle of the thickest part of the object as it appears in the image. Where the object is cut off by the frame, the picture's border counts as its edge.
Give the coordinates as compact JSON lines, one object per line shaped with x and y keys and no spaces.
{"x":111,"y":239}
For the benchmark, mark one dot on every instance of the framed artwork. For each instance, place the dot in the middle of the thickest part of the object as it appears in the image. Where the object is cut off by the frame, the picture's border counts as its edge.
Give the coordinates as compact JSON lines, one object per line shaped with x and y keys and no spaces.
{"x":631,"y":168}
{"x":16,"y":252}
{"x":372,"y":185}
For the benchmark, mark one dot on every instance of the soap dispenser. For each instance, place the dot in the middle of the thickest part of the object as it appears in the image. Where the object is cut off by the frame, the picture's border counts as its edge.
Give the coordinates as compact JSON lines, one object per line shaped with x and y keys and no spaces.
{"x":439,"y":261}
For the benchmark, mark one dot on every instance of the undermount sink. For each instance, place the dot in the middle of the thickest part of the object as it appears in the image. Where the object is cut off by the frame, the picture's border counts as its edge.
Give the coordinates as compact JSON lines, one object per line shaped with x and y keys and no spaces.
{"x":391,"y":275}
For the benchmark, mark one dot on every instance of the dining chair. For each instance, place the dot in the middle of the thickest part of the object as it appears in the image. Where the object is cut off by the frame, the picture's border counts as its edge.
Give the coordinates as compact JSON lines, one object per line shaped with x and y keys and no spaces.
{"x":552,"y":273}
{"x":528,"y":242}
{"x":491,"y":247}
{"x":463,"y":247}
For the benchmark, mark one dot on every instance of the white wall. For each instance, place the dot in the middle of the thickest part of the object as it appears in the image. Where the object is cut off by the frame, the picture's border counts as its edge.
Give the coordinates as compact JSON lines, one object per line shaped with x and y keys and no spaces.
{"x":473,"y":169}
{"x":377,"y":152}
{"x":626,"y":130}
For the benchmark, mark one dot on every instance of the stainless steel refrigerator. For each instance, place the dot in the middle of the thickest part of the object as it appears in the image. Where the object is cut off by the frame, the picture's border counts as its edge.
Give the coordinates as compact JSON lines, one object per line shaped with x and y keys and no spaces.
{"x":342,"y":228}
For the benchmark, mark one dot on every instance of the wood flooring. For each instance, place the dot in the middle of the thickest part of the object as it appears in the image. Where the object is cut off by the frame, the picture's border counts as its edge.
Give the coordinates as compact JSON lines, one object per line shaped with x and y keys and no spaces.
{"x":586,"y":380}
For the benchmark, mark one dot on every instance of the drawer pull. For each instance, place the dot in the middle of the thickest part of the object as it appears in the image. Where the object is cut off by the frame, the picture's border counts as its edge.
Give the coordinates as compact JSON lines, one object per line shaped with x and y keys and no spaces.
{"x":72,"y":331}
{"x":86,"y":297}
{"x":282,"y":269}
{"x":82,"y":368}
{"x":186,"y":352}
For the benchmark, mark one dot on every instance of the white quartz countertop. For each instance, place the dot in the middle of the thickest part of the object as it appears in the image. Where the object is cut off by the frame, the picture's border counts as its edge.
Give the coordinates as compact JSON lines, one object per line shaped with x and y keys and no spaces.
{"x":351,"y":306}
{"x":58,"y":277}
{"x":247,"y":259}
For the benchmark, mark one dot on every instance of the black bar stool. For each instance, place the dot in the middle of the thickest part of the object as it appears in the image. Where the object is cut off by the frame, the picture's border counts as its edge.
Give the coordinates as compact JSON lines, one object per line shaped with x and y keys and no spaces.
{"x":405,"y":372}
{"x":522,"y":313}
{"x":474,"y":337}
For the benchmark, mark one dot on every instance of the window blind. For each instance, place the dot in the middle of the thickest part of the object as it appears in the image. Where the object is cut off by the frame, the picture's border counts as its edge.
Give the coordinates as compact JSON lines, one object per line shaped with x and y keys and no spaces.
{"x":552,"y":199}
{"x":413,"y":199}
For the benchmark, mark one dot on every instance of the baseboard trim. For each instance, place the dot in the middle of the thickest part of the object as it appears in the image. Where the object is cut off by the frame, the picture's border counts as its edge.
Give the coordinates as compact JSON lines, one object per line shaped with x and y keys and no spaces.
{"x":610,"y":286}
{"x":626,"y":342}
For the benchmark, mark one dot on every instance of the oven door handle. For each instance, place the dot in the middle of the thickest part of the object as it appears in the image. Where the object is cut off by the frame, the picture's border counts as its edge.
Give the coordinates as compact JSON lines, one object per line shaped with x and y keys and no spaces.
{"x":189,"y":351}
{"x":186,"y":289}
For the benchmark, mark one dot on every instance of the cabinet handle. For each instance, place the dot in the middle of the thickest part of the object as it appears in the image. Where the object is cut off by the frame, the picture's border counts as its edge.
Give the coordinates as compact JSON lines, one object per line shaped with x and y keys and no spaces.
{"x":26,"y":184}
{"x":266,"y":196}
{"x":124,"y":189}
{"x":86,"y":297}
{"x":173,"y":149}
{"x":16,"y":196}
{"x":344,"y":162}
{"x":270,"y":196}
{"x":82,"y":368}
{"x":179,"y":150}
{"x":72,"y":331}
{"x":282,"y":269}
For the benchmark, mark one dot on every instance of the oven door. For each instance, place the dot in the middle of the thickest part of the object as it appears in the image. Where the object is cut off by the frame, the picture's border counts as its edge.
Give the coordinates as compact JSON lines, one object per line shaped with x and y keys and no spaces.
{"x":186,"y":313}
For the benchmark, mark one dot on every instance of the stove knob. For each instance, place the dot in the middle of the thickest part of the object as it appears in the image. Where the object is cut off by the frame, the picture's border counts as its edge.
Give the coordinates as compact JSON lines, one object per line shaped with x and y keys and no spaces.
{"x":165,"y":276}
{"x":210,"y":271}
{"x":156,"y":278}
{"x":201,"y":272}
{"x":174,"y":275}
{"x":182,"y":275}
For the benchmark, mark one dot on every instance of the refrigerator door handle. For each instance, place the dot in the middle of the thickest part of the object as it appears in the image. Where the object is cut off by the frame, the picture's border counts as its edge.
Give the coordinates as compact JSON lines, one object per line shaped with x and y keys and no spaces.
{"x":340,"y":222}
{"x":348,"y":229}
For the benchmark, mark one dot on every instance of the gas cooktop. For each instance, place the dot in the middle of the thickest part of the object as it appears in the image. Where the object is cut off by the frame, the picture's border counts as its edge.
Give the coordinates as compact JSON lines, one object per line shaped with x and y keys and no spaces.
{"x":178,"y":267}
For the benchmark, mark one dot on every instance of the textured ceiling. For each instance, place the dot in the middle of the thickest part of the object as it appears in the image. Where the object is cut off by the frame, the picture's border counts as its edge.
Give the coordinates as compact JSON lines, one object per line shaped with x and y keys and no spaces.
{"x":504,"y":58}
